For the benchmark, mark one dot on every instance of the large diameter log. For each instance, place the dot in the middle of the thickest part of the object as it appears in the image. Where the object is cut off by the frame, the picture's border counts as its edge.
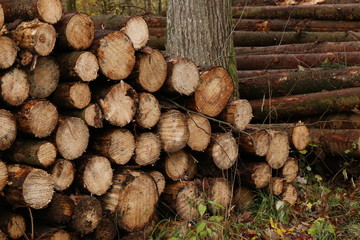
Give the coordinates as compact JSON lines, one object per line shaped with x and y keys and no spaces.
{"x":199,"y":132}
{"x":37,"y":117}
{"x":148,"y":112}
{"x":126,"y":200}
{"x":12,"y":224}
{"x":8,"y":49}
{"x":147,"y":149}
{"x":255,"y":141}
{"x":290,"y":170}
{"x":223,"y":150}
{"x":49,"y":11}
{"x":238,"y":113}
{"x":334,"y":121}
{"x":91,"y":115}
{"x":3,"y":175}
{"x":14,"y":87}
{"x":117,"y":145}
{"x":75,"y":31}
{"x":28,"y":186}
{"x":242,"y":198}
{"x":219,"y":191}
{"x":71,"y":137}
{"x":213,"y":93}
{"x":279,"y":147}
{"x":115,"y":53}
{"x":35,"y":36}
{"x":94,"y":174}
{"x":63,"y":173}
{"x":118,"y":103}
{"x":180,"y":165}
{"x":8,"y":129}
{"x":173,"y":130}
{"x":136,"y":29}
{"x":255,"y":174}
{"x":306,"y":104}
{"x":72,"y":95}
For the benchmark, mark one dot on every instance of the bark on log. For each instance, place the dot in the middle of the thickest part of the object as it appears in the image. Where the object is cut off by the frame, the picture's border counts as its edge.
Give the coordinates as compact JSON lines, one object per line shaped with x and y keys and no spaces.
{"x":159,"y":180}
{"x":213,"y":93}
{"x":3,"y":236}
{"x":9,"y":50}
{"x":37,"y":118}
{"x":173,"y":131}
{"x":43,"y":77}
{"x":319,"y":103}
{"x":334,"y":121}
{"x":147,"y":149}
{"x":8,"y":130}
{"x":14,"y":87}
{"x":278,"y":150}
{"x":290,"y":170}
{"x":199,"y":132}
{"x":35,"y":36}
{"x":28,"y":186}
{"x":118,"y":103}
{"x":106,"y":230}
{"x":49,"y":11}
{"x":137,"y":30}
{"x":253,"y":3}
{"x":3,"y":175}
{"x":268,"y":72}
{"x":182,"y":76}
{"x":71,"y":137}
{"x":180,"y":166}
{"x":2,"y":18}
{"x":255,"y":174}
{"x":91,"y":115}
{"x":75,"y":31}
{"x":115,"y":53}
{"x":32,"y":152}
{"x":242,"y":198}
{"x":63,"y":173}
{"x":12,"y":224}
{"x":78,"y":65}
{"x":150,"y":69}
{"x":276,"y":185}
{"x":290,"y":194}
{"x":46,"y":232}
{"x":223,"y":150}
{"x":254,"y":141}
{"x":125,"y":199}
{"x":72,"y":95}
{"x":148,"y":112}
{"x":116,"y":144}
{"x":238,"y":113}
{"x":115,"y":22}
{"x":219,"y":191}
{"x":25,"y":57}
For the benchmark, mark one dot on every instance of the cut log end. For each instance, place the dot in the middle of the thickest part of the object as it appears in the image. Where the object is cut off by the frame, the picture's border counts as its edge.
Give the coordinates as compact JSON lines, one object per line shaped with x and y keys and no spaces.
{"x":238,"y":113}
{"x":300,"y":136}
{"x":243,"y":198}
{"x":218,"y":190}
{"x":290,"y":194}
{"x":261,"y":175}
{"x":3,"y":175}
{"x":148,"y":149}
{"x":62,"y":172}
{"x":290,"y":170}
{"x":200,"y":132}
{"x":14,"y":87}
{"x":8,"y":49}
{"x":50,"y":11}
{"x":79,"y":31}
{"x":276,"y":185}
{"x":137,"y":30}
{"x":93,"y":116}
{"x":159,"y":180}
{"x":87,"y":67}
{"x":46,"y":154}
{"x":224,"y":150}
{"x":278,"y":150}
{"x":256,"y":141}
{"x":148,"y":112}
{"x":13,"y":224}
{"x":8,"y":130}
{"x":180,"y":166}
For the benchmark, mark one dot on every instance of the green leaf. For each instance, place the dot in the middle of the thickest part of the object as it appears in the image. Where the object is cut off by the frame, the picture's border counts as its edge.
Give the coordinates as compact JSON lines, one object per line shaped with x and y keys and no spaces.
{"x":303,"y":152}
{"x":216,"y":218}
{"x":200,"y":226}
{"x":192,"y":238}
{"x":173,"y":238}
{"x":216,"y":204}
{"x":202,"y":209}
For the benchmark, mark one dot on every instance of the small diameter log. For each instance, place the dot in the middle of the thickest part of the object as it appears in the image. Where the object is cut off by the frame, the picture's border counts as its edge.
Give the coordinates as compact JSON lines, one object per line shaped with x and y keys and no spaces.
{"x":183,"y":198}
{"x":182,"y":76}
{"x":290,"y":170}
{"x":126,"y":199}
{"x":63,"y":173}
{"x":255,"y":141}
{"x":78,"y":65}
{"x":148,"y":112}
{"x":71,"y":137}
{"x":14,"y":87}
{"x":75,"y":31}
{"x":8,"y":49}
{"x":43,"y":77}
{"x":159,"y":180}
{"x":180,"y":165}
{"x":28,"y":186}
{"x":45,"y":232}
{"x":290,"y":194}
{"x":137,"y":30}
{"x":147,"y":149}
{"x":94,"y":174}
{"x":25,"y":57}
{"x":2,"y":18}
{"x":223,"y":150}
{"x":199,"y":132}
{"x":8,"y":129}
{"x":91,"y":115}
{"x":35,"y":36}
{"x":115,"y":53}
{"x":32,"y":152}
{"x":37,"y":118}
{"x":334,"y":121}
{"x":173,"y":130}
{"x":278,"y":149}
{"x":213,"y":93}
{"x":150,"y":69}
{"x":116,"y":144}
{"x":255,"y":174}
{"x":218,"y":191}
{"x":3,"y":175}
{"x":238,"y":113}
{"x":118,"y":103}
{"x":276,"y":185}
{"x":12,"y":224}
{"x":72,"y":95}
{"x":106,"y":230}
{"x":242,"y":198}
{"x":87,"y":214}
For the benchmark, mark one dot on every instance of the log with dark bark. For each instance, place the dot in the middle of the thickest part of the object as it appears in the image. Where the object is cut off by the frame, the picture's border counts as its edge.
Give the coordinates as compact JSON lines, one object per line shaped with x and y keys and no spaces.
{"x":46,"y":10}
{"x":148,"y":111}
{"x":180,"y":166}
{"x":118,"y":103}
{"x":8,"y":130}
{"x":116,"y":144}
{"x":289,"y":194}
{"x":106,"y":230}
{"x":78,"y":65}
{"x":72,"y":95}
{"x":71,"y":137}
{"x":115,"y":53}
{"x":268,"y":72}
{"x":255,"y":141}
{"x":242,"y":198}
{"x":334,"y":121}
{"x":63,"y":173}
{"x":37,"y":118}
{"x":8,"y":49}
{"x":199,"y":132}
{"x":91,"y":115}
{"x":3,"y":235}
{"x":309,"y":104}
{"x":43,"y":77}
{"x":35,"y":36}
{"x":255,"y":174}
{"x":28,"y":186}
{"x":3,"y":175}
{"x":276,"y":185}
{"x":12,"y":224}
{"x":219,"y":191}
{"x":290,"y":170}
{"x":253,"y":3}
{"x":148,"y":149}
{"x":279,"y":148}
{"x":45,"y":232}
{"x":14,"y":87}
{"x":75,"y":31}
{"x":238,"y":113}
{"x":213,"y":93}
{"x":173,"y":130}
{"x":2,"y":18}
{"x":223,"y":150}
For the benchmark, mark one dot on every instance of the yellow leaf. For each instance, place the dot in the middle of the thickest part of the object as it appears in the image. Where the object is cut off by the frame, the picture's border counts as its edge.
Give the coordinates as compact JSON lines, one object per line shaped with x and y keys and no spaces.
{"x":309,"y":205}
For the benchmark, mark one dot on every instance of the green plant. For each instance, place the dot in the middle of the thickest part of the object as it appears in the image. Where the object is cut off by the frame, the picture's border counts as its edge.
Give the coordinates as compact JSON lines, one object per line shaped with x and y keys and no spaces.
{"x":322,"y":229}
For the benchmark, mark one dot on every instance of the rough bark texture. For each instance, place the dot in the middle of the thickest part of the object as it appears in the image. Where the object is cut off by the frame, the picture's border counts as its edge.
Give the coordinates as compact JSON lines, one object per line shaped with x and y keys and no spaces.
{"x":334,"y":121}
{"x":44,"y":232}
{"x":12,"y":224}
{"x":242,"y":198}
{"x":180,"y":165}
{"x":199,"y":132}
{"x":63,"y":173}
{"x":91,"y":115}
{"x":223,"y":150}
{"x":14,"y":87}
{"x":255,"y":141}
{"x":238,"y":113}
{"x":148,"y":148}
{"x":218,"y":190}
{"x":255,"y":174}
{"x":8,"y":130}
{"x":148,"y":112}
{"x":8,"y":49}
{"x":106,"y":230}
